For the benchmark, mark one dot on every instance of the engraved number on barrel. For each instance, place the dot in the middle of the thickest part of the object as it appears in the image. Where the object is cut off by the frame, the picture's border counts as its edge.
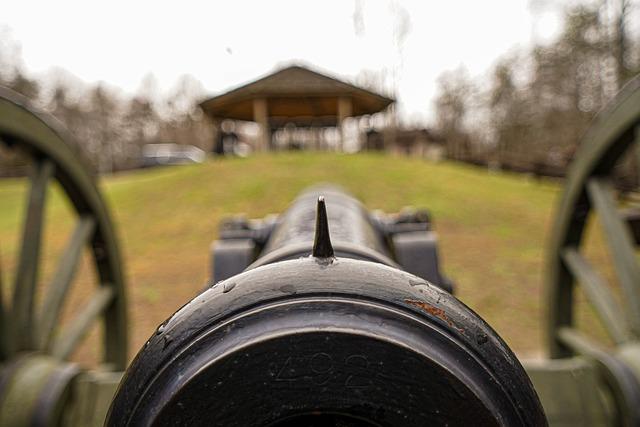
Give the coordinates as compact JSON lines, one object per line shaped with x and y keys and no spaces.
{"x":360,"y":376}
{"x":288,"y":371}
{"x":354,"y":371}
{"x":322,"y":366}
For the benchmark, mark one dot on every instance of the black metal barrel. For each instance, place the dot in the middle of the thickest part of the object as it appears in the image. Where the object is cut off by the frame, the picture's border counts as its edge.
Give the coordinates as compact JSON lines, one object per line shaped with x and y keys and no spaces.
{"x":353,"y":234}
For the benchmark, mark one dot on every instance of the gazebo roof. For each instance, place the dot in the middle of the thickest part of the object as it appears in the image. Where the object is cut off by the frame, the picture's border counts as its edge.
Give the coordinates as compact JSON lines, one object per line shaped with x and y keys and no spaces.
{"x":297,"y":95}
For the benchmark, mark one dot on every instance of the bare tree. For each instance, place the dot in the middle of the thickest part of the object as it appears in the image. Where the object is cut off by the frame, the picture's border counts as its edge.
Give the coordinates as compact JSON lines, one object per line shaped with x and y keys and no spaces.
{"x":541,"y":101}
{"x":452,"y":109}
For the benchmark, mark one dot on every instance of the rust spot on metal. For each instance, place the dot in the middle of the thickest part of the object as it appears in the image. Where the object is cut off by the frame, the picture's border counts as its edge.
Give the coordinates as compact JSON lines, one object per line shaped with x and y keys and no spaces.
{"x":435,"y":311}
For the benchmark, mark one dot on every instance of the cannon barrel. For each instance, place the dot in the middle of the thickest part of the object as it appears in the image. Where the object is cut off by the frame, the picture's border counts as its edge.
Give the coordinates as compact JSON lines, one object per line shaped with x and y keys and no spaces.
{"x":404,"y":241}
{"x":342,"y":337}
{"x":353,"y":233}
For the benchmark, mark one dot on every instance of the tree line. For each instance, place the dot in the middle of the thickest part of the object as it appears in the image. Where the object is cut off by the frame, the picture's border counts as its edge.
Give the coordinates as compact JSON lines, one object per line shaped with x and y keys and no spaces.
{"x":528,"y":114}
{"x":532,"y":111}
{"x":109,"y":127}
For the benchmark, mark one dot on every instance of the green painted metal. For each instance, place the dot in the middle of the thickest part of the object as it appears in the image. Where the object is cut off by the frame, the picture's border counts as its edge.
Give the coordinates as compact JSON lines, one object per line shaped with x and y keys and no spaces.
{"x":637,"y":136}
{"x":26,"y":380}
{"x":610,"y":137}
{"x":95,"y":390}
{"x":597,"y":290}
{"x":618,"y":377}
{"x":4,"y":351}
{"x":26,"y":276}
{"x":67,"y":341}
{"x":589,"y":190}
{"x":570,"y":392}
{"x":622,"y":247}
{"x":82,"y":400}
{"x":35,"y":378}
{"x":630,"y":353}
{"x":577,"y":341}
{"x":41,"y":138}
{"x":62,"y":280}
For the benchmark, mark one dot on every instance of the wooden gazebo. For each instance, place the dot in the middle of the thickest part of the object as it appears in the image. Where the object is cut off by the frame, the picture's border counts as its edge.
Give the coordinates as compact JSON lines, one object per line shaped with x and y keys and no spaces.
{"x":294,"y":95}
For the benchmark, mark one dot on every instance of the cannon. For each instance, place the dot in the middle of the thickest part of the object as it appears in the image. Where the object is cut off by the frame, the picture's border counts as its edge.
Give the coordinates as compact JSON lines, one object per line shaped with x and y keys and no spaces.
{"x":322,"y":329}
{"x":326,"y":315}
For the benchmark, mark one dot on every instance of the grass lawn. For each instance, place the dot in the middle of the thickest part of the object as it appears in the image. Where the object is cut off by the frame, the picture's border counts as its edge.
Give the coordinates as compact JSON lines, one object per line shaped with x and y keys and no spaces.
{"x":493,"y":228}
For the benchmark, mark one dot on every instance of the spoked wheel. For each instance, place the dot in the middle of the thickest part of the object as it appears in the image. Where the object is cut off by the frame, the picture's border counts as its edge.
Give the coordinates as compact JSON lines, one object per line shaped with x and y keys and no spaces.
{"x":590,"y":191}
{"x":35,"y":371}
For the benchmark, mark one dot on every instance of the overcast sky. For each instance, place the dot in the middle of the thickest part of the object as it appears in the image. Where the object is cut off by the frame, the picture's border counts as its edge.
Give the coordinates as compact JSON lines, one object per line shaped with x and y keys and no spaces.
{"x":224,"y":44}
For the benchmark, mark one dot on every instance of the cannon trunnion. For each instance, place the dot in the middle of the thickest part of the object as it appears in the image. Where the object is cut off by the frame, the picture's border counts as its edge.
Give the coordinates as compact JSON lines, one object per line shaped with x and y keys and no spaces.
{"x":325,"y":340}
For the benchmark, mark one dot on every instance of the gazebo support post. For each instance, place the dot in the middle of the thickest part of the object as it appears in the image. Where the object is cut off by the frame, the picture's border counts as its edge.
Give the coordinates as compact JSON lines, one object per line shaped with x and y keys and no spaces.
{"x":345,"y":109}
{"x":216,"y":146}
{"x":261,"y":117}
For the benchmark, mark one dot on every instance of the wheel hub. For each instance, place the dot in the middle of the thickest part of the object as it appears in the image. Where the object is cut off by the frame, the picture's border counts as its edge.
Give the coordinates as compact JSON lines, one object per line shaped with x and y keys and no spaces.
{"x":34,"y":389}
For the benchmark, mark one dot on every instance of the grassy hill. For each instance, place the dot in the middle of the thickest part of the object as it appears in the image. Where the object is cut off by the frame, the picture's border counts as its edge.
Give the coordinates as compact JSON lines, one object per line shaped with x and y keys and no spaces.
{"x":492,"y":227}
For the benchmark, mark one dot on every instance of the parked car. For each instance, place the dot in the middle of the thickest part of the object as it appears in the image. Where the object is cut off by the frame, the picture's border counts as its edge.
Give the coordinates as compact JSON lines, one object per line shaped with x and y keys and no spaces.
{"x":171,"y":154}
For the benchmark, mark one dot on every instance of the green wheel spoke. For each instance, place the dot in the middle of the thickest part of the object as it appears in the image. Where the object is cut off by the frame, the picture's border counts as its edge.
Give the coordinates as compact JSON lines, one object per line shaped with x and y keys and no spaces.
{"x":597,"y":291}
{"x":577,"y":342}
{"x":34,"y":327}
{"x":62,"y":280}
{"x":622,"y":246}
{"x":4,"y":345}
{"x":611,"y":139}
{"x":637,"y":149}
{"x":26,"y":274}
{"x":68,"y":341}
{"x":37,"y":338}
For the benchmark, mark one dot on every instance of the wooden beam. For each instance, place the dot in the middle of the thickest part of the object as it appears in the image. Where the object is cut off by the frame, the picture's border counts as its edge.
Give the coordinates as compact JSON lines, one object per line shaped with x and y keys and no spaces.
{"x":261,"y":117}
{"x":345,"y":110}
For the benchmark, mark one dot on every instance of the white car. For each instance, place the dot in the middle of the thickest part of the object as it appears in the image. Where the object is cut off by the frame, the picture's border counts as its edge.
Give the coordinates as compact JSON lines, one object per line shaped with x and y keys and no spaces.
{"x":171,"y":154}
